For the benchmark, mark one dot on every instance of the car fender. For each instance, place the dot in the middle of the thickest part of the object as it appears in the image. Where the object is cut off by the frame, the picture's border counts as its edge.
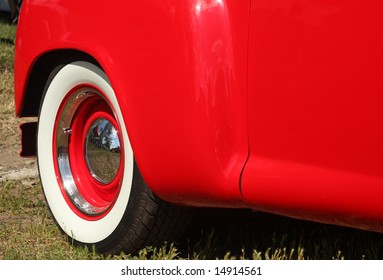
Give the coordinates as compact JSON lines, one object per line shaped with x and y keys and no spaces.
{"x":179,"y":75}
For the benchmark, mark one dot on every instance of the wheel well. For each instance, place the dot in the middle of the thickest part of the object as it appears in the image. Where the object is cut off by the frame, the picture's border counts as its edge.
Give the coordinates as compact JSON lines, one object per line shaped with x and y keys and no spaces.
{"x":39,"y":74}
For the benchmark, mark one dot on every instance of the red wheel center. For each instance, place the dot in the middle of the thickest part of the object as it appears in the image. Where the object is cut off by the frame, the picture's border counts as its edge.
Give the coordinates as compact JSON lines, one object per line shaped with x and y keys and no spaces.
{"x":92,"y":166}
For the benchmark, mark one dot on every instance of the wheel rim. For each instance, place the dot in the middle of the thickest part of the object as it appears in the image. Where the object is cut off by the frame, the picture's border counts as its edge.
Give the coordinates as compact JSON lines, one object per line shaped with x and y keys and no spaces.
{"x":88,"y":152}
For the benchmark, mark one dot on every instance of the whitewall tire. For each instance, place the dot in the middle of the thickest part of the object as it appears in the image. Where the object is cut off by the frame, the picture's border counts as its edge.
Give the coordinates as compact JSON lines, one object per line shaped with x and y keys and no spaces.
{"x":89,"y":177}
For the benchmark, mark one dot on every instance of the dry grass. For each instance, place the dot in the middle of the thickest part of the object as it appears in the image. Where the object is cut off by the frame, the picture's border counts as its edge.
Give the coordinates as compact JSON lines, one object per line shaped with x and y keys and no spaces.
{"x":8,"y":122}
{"x":26,"y":228}
{"x":7,"y":41}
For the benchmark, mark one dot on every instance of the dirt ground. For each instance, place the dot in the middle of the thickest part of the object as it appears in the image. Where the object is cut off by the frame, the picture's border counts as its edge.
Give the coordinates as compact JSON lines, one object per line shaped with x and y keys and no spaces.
{"x":12,"y":165}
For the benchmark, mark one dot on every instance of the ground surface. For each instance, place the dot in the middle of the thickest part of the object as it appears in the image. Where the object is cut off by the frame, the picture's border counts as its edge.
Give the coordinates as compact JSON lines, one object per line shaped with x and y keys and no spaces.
{"x":13,"y":167}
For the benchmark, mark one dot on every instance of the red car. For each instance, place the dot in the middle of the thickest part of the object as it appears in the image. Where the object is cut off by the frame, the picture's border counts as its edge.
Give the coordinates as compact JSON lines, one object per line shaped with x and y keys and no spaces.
{"x":150,"y":107}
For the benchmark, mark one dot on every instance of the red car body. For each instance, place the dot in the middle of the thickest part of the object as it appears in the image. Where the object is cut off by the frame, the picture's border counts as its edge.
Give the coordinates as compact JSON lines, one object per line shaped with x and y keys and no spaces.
{"x":269,"y":105}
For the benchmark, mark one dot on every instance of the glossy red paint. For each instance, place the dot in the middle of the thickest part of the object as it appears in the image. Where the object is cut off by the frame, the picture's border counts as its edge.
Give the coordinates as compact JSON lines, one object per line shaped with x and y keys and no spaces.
{"x":271,"y":105}
{"x":315,"y":110}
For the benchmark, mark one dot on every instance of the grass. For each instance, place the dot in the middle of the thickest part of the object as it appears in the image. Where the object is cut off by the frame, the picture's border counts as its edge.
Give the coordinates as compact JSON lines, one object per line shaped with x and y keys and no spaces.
{"x":7,"y":41}
{"x":27,"y":230}
{"x":8,"y":126}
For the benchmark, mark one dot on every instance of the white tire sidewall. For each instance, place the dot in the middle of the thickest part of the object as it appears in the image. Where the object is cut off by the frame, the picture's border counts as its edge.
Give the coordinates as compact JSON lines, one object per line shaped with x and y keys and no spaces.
{"x":80,"y":229}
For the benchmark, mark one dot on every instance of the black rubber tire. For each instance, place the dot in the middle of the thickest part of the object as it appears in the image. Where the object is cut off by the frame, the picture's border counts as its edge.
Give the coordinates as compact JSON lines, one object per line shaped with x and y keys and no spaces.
{"x":149,"y":221}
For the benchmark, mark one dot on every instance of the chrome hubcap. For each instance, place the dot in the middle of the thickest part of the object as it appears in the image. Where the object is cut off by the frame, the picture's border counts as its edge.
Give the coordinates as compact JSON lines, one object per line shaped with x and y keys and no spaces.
{"x":102,"y":151}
